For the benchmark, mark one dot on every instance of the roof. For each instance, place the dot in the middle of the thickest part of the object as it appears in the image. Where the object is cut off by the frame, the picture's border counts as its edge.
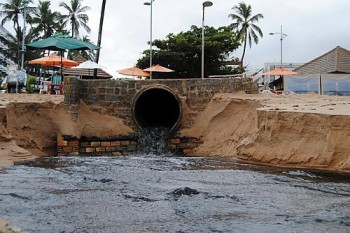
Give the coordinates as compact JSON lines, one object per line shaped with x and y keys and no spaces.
{"x":79,"y":59}
{"x":87,"y":73}
{"x":335,"y":61}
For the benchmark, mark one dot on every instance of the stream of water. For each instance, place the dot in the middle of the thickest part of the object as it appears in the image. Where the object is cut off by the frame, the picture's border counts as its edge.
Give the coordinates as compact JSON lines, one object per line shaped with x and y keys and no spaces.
{"x":144,"y":193}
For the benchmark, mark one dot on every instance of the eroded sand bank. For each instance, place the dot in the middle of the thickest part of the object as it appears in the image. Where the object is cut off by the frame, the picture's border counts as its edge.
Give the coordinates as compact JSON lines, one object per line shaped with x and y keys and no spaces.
{"x":296,"y":130}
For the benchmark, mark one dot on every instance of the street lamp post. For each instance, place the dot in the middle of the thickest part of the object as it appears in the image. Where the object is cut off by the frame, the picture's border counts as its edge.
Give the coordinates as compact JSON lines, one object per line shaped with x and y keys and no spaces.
{"x":150,"y":3}
{"x":25,"y":4}
{"x":205,"y":4}
{"x":281,"y":38}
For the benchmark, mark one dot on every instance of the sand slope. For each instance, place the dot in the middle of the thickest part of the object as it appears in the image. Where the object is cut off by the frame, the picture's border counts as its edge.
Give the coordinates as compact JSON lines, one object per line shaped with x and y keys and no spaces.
{"x":31,"y":124}
{"x":298,"y":130}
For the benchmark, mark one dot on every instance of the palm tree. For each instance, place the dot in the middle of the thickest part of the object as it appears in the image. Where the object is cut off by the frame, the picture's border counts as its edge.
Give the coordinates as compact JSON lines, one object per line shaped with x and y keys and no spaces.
{"x":100,"y":30}
{"x":10,"y":11}
{"x":245,"y":23}
{"x":46,"y":22}
{"x":87,"y":54}
{"x":76,"y":16}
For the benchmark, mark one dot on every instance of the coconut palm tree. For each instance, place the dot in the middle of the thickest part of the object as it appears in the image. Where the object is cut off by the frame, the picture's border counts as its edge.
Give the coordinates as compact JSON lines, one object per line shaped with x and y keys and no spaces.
{"x":11,"y":11}
{"x":76,"y":16}
{"x":245,"y":22}
{"x":100,"y":29}
{"x":87,"y":54}
{"x":45,"y":22}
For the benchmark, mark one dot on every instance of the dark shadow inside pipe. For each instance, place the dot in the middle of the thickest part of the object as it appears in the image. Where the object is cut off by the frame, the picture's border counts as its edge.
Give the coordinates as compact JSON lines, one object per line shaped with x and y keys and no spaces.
{"x":157,"y":107}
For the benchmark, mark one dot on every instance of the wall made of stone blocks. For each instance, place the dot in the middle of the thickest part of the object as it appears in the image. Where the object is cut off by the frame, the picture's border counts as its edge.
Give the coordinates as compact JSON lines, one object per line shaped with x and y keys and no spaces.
{"x":96,"y":147}
{"x":116,"y":96}
{"x":103,"y":147}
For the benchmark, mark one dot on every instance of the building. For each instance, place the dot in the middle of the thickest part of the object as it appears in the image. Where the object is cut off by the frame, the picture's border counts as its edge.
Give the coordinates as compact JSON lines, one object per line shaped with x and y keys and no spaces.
{"x":328,"y":74}
{"x":5,"y":60}
{"x":336,"y":61}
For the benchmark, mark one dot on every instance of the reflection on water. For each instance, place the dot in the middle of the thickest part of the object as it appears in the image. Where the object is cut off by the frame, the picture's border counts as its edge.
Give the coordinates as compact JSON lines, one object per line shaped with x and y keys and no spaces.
{"x":171,"y":194}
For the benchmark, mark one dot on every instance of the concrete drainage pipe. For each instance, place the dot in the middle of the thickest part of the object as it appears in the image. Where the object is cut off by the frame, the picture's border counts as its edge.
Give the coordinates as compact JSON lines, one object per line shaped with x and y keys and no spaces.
{"x":157,"y":106}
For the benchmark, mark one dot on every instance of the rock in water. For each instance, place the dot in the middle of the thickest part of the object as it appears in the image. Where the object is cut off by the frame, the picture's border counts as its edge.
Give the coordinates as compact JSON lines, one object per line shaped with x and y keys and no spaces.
{"x":184,"y":191}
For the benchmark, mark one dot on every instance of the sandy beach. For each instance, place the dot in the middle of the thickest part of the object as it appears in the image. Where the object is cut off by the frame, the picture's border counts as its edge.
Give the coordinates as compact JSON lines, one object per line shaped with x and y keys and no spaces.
{"x":288,"y":130}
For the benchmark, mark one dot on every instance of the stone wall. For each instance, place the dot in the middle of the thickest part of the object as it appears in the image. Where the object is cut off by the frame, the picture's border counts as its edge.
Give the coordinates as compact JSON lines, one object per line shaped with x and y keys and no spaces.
{"x":116,"y":97}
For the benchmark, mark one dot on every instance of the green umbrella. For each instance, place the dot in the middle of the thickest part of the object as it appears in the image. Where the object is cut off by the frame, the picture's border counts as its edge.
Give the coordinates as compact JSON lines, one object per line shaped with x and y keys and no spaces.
{"x":60,"y":42}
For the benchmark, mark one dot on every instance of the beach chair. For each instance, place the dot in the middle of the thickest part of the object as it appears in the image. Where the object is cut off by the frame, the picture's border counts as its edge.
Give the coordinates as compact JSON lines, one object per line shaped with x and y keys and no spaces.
{"x":44,"y":87}
{"x":56,"y":83}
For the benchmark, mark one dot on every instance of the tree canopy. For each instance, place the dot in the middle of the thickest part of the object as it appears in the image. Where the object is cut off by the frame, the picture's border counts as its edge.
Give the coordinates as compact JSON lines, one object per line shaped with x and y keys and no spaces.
{"x":182,"y":52}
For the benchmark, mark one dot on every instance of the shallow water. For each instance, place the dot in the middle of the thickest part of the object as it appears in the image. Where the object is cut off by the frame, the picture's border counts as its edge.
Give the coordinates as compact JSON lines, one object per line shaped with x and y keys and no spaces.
{"x":143,"y":194}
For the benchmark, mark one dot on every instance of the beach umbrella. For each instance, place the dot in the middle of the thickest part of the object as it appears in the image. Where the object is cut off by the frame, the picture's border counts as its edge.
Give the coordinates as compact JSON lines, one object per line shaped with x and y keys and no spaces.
{"x":158,"y":68}
{"x":90,"y":65}
{"x":60,"y":42}
{"x":133,"y":71}
{"x":53,"y":60}
{"x":280,"y":72}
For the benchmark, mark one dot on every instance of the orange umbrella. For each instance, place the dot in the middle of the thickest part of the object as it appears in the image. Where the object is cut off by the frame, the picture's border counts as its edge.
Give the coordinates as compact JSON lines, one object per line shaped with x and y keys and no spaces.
{"x":53,"y":60}
{"x":158,"y":68}
{"x":133,"y":71}
{"x":280,"y":71}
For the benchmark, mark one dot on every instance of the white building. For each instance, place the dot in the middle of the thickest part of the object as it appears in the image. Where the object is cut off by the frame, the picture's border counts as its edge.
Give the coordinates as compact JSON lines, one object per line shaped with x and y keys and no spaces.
{"x":5,"y":61}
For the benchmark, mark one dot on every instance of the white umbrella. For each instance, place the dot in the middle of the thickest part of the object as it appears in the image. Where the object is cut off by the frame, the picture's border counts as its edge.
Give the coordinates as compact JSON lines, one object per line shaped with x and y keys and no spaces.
{"x":89,"y":65}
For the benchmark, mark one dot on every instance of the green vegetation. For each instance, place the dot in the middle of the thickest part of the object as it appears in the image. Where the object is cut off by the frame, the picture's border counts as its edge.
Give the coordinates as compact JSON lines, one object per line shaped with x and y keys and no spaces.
{"x":182,"y":52}
{"x":30,"y":80}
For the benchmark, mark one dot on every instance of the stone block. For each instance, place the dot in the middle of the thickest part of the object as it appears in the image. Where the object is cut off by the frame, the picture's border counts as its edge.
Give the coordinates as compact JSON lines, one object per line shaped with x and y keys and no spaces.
{"x":115,"y":143}
{"x":110,"y":148}
{"x":85,"y":144}
{"x":95,"y":144}
{"x":100,"y":149}
{"x":125,"y":143}
{"x":73,"y":143}
{"x":105,"y":143}
{"x":90,"y":149}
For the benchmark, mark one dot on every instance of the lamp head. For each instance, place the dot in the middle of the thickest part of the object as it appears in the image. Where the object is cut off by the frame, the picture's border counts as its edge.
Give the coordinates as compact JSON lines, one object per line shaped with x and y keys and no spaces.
{"x":207,"y":4}
{"x":271,"y":33}
{"x":147,"y":3}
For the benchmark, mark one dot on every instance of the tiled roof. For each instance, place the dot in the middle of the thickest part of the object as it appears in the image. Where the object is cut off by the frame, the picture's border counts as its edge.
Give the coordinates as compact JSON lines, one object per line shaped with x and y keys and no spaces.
{"x":86,"y":73}
{"x":335,"y":61}
{"x":79,"y":59}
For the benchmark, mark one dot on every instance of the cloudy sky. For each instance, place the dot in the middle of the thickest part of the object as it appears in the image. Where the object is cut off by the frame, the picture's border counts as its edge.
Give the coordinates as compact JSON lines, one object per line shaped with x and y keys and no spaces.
{"x":313,"y":27}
